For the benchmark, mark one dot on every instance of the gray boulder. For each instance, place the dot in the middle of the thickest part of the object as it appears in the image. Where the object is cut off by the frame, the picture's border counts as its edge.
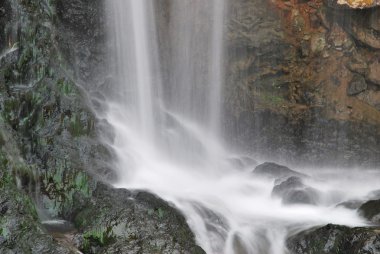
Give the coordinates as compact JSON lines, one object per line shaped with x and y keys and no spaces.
{"x":293,"y":191}
{"x":335,"y":239}
{"x":273,"y":170}
{"x":371,"y":211}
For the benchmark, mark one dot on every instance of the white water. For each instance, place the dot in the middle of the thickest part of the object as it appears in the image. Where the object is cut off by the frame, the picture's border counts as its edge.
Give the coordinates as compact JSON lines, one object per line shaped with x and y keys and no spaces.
{"x":168,"y":137}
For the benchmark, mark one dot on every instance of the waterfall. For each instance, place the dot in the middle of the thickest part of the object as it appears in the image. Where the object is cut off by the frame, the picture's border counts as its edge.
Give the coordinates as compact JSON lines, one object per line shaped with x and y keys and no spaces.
{"x":167,"y":112}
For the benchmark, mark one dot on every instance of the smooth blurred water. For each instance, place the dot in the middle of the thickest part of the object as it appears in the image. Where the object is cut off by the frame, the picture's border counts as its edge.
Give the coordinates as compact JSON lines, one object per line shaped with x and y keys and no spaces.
{"x":169,"y":140}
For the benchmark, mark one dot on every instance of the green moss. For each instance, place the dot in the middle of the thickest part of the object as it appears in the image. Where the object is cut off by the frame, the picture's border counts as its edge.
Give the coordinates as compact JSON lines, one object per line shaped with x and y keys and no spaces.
{"x":98,"y":237}
{"x":79,"y":124}
{"x":66,"y":87}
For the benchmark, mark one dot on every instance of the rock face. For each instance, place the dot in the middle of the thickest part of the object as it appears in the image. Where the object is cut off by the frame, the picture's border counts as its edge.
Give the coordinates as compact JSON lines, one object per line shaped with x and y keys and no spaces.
{"x":335,"y":239}
{"x":52,"y":58}
{"x":302,"y":81}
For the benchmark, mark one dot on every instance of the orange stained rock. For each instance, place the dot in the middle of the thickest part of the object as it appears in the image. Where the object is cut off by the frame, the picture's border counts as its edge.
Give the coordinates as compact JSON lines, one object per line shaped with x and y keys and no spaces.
{"x":357,"y":3}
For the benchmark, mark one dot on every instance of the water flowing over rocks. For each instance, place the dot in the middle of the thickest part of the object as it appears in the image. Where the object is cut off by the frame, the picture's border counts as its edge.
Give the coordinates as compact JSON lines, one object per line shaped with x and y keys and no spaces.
{"x":132,"y":222}
{"x":293,"y":191}
{"x":302,"y":85}
{"x":52,"y":161}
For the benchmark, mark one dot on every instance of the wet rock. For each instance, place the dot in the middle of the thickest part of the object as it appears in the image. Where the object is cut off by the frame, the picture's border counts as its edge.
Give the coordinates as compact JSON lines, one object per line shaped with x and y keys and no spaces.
{"x":357,"y":64}
{"x":356,"y":85}
{"x":335,"y":239}
{"x":273,"y":170}
{"x":363,"y":33}
{"x":374,"y":195}
{"x":339,"y":39}
{"x":242,"y":162}
{"x":371,"y":211}
{"x":317,"y":43}
{"x":293,"y":191}
{"x":20,"y":231}
{"x":132,"y":222}
{"x":351,"y":204}
{"x":374,"y":72}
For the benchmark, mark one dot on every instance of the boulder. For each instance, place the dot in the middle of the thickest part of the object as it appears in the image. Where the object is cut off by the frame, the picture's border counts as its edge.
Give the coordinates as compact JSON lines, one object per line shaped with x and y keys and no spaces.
{"x":132,"y":222}
{"x":335,"y":239}
{"x":293,"y":191}
{"x":276,"y":171}
{"x":371,"y":211}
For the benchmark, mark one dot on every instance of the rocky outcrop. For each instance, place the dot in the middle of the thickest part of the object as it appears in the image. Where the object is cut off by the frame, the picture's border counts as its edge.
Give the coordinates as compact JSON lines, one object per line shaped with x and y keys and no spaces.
{"x":371,"y":211}
{"x":132,"y":222}
{"x":306,"y":91}
{"x":52,"y":163}
{"x":335,"y":239}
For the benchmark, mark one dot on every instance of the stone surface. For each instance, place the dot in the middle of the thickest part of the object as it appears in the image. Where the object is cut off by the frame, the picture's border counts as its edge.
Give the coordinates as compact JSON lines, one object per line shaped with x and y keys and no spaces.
{"x":374,"y":72}
{"x":294,"y":191}
{"x":356,"y":85}
{"x":290,"y":98}
{"x":49,"y":138}
{"x":276,"y":171}
{"x":335,"y":239}
{"x":371,"y":211}
{"x":132,"y":222}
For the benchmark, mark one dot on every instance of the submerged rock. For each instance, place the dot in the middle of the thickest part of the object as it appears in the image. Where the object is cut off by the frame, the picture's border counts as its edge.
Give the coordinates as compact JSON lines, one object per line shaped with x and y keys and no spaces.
{"x":293,"y":191}
{"x":335,"y":239}
{"x":273,"y":170}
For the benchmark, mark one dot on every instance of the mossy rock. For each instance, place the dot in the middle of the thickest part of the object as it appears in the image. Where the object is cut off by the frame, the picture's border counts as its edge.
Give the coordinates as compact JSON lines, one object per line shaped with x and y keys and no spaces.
{"x":127,"y":222}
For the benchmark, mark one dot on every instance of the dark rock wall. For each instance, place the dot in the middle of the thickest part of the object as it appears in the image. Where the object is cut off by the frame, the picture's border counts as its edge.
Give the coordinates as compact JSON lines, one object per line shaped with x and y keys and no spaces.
{"x":301,"y":82}
{"x":52,"y":75}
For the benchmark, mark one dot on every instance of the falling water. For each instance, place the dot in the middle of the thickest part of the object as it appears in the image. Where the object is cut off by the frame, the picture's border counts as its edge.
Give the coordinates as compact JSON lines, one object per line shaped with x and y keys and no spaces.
{"x":167,"y":119}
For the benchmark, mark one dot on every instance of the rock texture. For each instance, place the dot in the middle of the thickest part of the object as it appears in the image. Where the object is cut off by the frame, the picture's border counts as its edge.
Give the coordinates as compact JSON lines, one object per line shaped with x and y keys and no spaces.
{"x":335,"y":239}
{"x":132,"y":222}
{"x":302,"y":82}
{"x":371,"y":211}
{"x":52,"y":61}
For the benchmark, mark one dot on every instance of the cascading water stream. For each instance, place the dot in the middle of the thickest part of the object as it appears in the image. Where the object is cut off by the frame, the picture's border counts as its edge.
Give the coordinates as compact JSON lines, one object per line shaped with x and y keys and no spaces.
{"x":168,"y":133}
